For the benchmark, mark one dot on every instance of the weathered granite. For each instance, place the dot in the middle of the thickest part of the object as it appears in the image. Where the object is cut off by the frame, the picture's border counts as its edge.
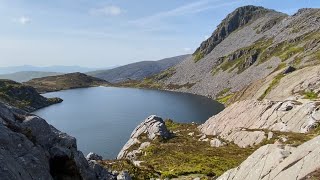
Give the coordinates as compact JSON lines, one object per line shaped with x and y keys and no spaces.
{"x":93,"y":156}
{"x":278,"y":162}
{"x":153,"y":127}
{"x":240,"y":122}
{"x":30,"y":148}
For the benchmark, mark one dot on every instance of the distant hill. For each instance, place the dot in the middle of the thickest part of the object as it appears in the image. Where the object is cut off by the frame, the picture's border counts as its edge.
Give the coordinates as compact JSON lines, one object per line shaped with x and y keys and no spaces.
{"x":64,"y":82}
{"x":24,"y":76}
{"x":59,"y":69}
{"x":138,"y":70}
{"x":23,"y":97}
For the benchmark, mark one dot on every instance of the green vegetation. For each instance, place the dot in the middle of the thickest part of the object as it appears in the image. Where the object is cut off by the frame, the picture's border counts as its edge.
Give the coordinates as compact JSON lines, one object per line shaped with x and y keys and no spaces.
{"x":224,"y":96}
{"x":297,"y":61}
{"x":64,"y":82}
{"x":310,"y":95}
{"x":290,"y":51}
{"x":244,"y":54}
{"x":223,"y":92}
{"x":144,"y":172}
{"x":273,"y":84}
{"x":279,"y":67}
{"x":198,"y":56}
{"x":23,"y":97}
{"x":165,"y":74}
{"x":185,"y":155}
{"x":225,"y":99}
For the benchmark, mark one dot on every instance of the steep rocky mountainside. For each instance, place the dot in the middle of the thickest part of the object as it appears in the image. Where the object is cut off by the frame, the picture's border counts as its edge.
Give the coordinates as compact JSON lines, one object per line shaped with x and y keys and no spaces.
{"x":33,"y":149}
{"x":250,"y":44}
{"x":137,"y":71}
{"x":64,"y":82}
{"x":24,"y":97}
{"x":24,"y":76}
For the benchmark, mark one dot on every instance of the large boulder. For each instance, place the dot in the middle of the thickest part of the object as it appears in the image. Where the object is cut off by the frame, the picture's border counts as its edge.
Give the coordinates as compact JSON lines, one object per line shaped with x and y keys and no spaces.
{"x":153,"y":127}
{"x":278,"y":162}
{"x":33,"y":149}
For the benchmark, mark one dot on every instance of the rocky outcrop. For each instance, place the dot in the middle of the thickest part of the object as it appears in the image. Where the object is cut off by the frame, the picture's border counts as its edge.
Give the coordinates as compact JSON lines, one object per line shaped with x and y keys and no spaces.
{"x":93,"y":156}
{"x":238,"y":18}
{"x":151,"y":128}
{"x":33,"y":149}
{"x":278,"y":162}
{"x":23,"y":97}
{"x":245,"y":122}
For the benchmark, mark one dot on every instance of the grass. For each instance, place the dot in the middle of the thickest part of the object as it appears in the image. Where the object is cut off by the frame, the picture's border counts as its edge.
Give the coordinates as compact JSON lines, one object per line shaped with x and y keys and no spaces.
{"x":223,"y":96}
{"x":239,"y":63}
{"x":310,"y":95}
{"x":223,"y":92}
{"x":273,"y":84}
{"x":290,"y":51}
{"x":145,"y":172}
{"x":22,"y":96}
{"x":198,"y":56}
{"x":225,"y":99}
{"x":181,"y":154}
{"x":184,"y":156}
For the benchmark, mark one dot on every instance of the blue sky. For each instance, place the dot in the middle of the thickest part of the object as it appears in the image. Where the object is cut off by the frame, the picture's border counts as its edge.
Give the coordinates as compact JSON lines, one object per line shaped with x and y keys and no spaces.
{"x":101,"y":33}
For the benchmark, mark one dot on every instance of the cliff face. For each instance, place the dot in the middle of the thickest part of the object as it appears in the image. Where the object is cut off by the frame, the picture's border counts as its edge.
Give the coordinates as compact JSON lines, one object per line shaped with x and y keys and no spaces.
{"x":235,"y":20}
{"x":33,"y":149}
{"x":24,"y":97}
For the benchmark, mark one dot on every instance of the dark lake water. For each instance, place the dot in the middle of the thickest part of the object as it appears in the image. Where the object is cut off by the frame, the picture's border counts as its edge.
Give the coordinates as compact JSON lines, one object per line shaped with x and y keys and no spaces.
{"x":102,"y":118}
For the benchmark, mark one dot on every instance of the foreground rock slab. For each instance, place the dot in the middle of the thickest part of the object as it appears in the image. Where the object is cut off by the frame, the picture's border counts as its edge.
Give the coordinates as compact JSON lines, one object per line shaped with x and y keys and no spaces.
{"x":278,"y":162}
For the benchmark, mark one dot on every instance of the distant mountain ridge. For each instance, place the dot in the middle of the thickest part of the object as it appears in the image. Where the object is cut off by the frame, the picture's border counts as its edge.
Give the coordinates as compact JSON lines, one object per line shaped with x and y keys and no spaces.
{"x":65,"y":82}
{"x":138,"y":70}
{"x":24,"y":76}
{"x":58,"y":69}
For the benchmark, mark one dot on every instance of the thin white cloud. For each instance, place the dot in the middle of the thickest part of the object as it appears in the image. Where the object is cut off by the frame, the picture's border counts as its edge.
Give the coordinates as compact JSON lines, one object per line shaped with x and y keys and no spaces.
{"x":191,"y":8}
{"x":110,"y":10}
{"x":187,"y":49}
{"x":23,"y":20}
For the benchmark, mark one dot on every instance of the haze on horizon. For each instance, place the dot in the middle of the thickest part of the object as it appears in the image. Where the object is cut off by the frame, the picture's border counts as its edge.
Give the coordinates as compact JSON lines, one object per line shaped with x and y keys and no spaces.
{"x":104,"y":33}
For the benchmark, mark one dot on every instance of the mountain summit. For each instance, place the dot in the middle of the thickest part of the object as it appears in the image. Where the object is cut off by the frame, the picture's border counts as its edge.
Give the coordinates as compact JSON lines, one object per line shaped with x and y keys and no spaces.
{"x":235,"y":20}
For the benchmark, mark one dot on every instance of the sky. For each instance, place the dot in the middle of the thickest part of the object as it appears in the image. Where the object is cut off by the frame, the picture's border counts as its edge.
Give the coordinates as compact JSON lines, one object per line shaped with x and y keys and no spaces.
{"x":103,"y":33}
